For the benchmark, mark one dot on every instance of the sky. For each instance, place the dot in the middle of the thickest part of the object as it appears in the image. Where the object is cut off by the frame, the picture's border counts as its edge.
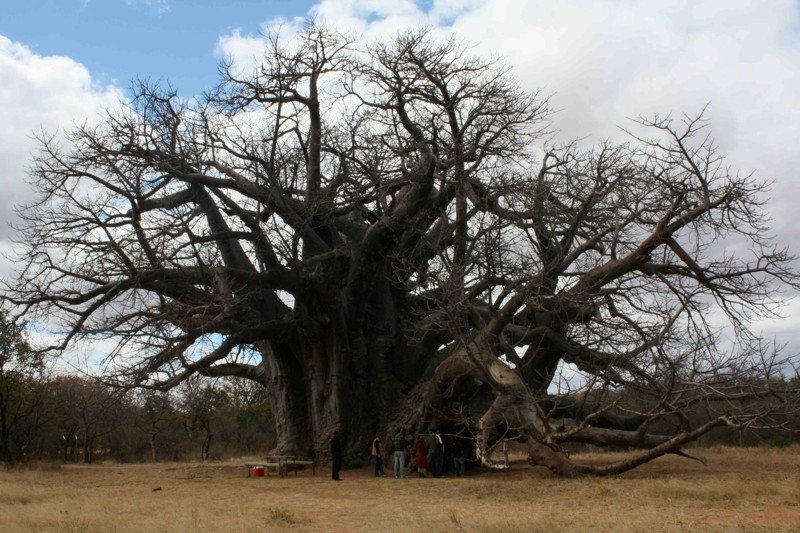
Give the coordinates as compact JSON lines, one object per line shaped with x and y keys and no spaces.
{"x":603,"y":62}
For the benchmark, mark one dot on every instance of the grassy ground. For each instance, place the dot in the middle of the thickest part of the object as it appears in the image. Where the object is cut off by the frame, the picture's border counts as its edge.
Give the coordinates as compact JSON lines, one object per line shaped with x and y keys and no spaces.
{"x":740,"y":490}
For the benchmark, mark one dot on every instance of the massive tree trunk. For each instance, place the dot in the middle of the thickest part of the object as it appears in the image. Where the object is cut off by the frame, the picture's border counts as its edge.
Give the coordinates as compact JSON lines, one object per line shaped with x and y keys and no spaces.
{"x":284,"y":377}
{"x":333,"y":377}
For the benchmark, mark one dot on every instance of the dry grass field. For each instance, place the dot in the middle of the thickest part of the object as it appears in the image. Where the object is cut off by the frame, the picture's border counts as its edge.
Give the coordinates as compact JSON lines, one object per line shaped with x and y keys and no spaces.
{"x":740,"y":490}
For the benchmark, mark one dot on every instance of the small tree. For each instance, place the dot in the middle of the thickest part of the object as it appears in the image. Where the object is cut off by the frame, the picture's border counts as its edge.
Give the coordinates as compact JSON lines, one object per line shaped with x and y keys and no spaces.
{"x":19,"y":368}
{"x":200,"y":401}
{"x":83,"y":411}
{"x":155,"y":414}
{"x":255,"y":425}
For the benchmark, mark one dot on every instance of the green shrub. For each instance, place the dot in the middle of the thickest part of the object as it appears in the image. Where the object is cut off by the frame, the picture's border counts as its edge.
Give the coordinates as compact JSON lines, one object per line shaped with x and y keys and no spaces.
{"x":779,"y":441}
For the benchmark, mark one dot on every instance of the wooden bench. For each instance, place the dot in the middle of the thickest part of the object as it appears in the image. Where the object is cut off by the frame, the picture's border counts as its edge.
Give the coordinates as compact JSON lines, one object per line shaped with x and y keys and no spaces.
{"x":266,"y":465}
{"x":281,"y":464}
{"x":304,"y":462}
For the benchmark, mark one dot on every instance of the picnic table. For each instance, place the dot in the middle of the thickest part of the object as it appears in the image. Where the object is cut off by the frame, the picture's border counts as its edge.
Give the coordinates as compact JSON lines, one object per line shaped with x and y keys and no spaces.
{"x":281,"y":464}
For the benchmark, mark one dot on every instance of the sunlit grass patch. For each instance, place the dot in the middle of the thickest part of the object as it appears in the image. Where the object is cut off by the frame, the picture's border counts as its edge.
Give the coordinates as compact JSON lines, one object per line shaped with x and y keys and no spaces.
{"x":682,"y":491}
{"x":20,"y":488}
{"x":14,"y":499}
{"x":74,"y":524}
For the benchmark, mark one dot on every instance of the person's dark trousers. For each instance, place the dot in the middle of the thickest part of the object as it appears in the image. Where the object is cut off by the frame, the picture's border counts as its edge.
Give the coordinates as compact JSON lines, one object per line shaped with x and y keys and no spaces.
{"x":378,"y":466}
{"x":337,"y":465}
{"x":437,"y":463}
{"x":459,"y":465}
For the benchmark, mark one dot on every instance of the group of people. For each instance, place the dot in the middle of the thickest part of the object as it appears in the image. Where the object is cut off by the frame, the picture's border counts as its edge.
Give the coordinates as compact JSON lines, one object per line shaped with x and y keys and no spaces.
{"x":430,"y":453}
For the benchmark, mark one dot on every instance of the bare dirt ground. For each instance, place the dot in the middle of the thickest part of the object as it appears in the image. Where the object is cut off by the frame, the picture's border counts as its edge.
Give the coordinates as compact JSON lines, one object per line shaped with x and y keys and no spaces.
{"x":740,"y":490}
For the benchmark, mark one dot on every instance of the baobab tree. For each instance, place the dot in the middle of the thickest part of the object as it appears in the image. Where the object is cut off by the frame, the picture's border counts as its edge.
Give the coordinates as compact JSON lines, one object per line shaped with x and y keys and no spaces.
{"x":383,"y":236}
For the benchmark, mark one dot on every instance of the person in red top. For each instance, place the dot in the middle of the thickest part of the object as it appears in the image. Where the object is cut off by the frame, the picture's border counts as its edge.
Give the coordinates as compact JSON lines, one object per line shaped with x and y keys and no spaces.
{"x":422,"y":457}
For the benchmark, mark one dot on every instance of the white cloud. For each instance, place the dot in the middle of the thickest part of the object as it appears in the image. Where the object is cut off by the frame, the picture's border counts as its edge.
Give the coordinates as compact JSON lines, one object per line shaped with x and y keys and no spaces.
{"x":606,"y":61}
{"x":38,"y":93}
{"x":609,"y":60}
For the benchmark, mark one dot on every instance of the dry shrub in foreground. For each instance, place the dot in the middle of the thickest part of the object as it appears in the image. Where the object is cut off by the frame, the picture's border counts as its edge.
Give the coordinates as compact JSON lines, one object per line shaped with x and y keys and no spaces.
{"x":740,"y":490}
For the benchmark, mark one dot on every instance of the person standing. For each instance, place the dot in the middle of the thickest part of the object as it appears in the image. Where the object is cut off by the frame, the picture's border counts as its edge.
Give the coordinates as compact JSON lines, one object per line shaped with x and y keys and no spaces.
{"x":377,"y":456}
{"x":336,"y":455}
{"x":422,"y":457}
{"x":459,"y":456}
{"x":399,"y":445}
{"x":435,"y":453}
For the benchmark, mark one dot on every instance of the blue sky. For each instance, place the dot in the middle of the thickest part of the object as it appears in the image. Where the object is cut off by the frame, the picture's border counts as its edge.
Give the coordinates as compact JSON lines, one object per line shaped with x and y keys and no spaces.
{"x":119,"y":40}
{"x":603,"y":61}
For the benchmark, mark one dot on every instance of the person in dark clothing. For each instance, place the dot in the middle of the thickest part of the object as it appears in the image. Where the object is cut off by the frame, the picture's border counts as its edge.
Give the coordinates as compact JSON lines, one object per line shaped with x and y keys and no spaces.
{"x":459,"y":449}
{"x":435,"y":453}
{"x":336,"y":455}
{"x":377,"y":456}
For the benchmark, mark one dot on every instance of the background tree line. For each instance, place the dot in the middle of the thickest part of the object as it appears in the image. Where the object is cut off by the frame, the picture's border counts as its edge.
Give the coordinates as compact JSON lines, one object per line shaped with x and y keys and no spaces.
{"x":71,"y":418}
